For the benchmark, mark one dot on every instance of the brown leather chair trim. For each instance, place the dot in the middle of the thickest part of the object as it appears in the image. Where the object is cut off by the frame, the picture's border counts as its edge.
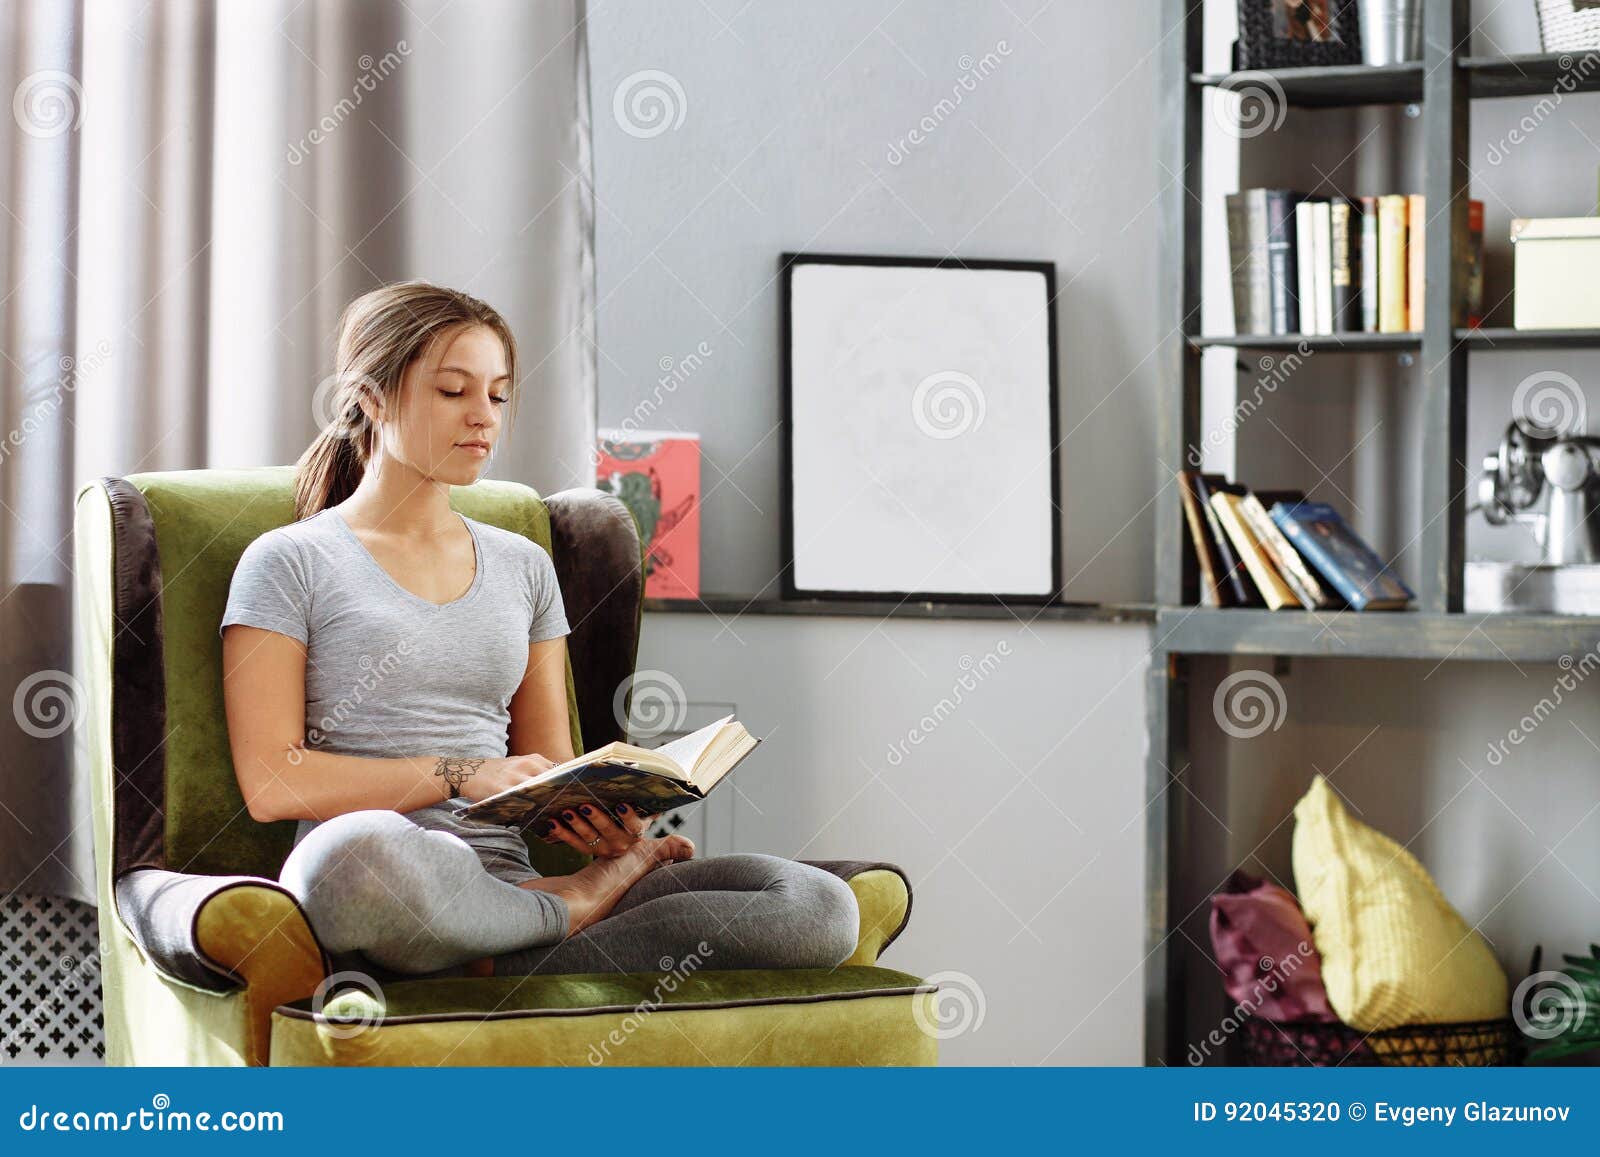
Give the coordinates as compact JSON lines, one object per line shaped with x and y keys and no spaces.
{"x":600,"y":565}
{"x":139,"y":687}
{"x":686,"y":1006}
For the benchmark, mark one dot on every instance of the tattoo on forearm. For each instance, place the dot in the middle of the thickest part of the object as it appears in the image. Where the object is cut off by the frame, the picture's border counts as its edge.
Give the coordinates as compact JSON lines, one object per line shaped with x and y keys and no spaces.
{"x":455,"y":770}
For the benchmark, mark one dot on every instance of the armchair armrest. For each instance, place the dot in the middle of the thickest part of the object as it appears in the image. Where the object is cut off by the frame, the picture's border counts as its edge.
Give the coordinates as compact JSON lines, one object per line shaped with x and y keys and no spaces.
{"x":224,"y":933}
{"x":883,"y":893}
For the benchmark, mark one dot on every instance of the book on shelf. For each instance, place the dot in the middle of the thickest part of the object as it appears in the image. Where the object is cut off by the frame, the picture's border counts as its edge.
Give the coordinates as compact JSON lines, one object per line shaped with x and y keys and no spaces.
{"x":1247,"y":254}
{"x":1344,"y":239}
{"x":1233,"y":585}
{"x":1324,"y":265}
{"x":1416,"y":262}
{"x":1227,"y":500}
{"x":1290,"y":565}
{"x":1340,"y":556}
{"x":673,"y":775}
{"x":1369,"y":264}
{"x":1392,"y":263}
{"x":1201,"y":549}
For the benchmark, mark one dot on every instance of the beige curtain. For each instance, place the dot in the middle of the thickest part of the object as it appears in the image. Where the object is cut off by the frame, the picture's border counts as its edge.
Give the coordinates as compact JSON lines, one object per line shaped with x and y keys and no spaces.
{"x":192,"y":191}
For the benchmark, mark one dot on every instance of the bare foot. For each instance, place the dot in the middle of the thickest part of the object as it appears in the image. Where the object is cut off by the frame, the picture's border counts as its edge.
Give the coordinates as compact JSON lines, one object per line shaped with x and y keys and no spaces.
{"x":594,"y":890}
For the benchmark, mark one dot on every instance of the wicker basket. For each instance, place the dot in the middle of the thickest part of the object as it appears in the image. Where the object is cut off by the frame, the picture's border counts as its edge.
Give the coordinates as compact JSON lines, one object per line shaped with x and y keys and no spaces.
{"x":1310,"y":1044}
{"x":1569,"y":25}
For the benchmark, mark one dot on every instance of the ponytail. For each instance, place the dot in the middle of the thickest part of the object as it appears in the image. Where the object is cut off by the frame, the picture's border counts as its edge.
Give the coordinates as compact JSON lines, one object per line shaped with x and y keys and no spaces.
{"x":327,"y":473}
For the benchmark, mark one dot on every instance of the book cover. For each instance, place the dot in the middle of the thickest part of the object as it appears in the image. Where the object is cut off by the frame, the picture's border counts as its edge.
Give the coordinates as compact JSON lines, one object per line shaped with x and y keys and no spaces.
{"x":656,"y":473}
{"x":1472,"y":310}
{"x":1240,"y":261}
{"x":1340,"y":556}
{"x":1227,"y":501}
{"x":1321,"y":239}
{"x":1241,"y":591}
{"x":1290,"y":565}
{"x":1282,"y":271}
{"x":1207,"y":592}
{"x":1369,"y":264}
{"x":1392,"y":263}
{"x":1416,"y":266}
{"x":1345,"y":226}
{"x":1306,"y":267}
{"x":1259,"y":311}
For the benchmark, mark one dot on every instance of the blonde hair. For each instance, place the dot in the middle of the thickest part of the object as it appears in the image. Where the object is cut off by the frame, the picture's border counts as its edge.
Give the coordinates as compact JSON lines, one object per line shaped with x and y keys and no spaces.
{"x":380,"y":334}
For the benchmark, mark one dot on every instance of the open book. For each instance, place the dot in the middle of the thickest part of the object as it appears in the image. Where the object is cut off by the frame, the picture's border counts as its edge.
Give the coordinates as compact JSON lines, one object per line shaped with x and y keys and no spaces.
{"x":674,"y":774}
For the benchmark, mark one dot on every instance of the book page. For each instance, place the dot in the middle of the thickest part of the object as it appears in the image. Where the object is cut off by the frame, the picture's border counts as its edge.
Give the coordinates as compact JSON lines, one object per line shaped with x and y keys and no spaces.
{"x":686,"y":750}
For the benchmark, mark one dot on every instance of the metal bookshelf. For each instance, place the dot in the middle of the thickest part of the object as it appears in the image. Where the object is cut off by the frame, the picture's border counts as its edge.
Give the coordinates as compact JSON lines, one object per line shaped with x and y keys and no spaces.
{"x":1445,"y":83}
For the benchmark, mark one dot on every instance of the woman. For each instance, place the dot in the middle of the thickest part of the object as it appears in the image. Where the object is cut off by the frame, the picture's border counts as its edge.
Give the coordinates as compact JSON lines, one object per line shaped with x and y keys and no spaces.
{"x":377,"y":682}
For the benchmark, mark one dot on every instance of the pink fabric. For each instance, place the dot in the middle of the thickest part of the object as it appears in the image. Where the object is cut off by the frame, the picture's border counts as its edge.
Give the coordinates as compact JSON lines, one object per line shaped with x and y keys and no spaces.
{"x":1264,"y":947}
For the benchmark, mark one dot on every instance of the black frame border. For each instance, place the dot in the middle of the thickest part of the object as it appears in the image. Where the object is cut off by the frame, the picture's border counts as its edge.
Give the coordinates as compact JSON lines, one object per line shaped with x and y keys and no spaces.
{"x":787,"y":262}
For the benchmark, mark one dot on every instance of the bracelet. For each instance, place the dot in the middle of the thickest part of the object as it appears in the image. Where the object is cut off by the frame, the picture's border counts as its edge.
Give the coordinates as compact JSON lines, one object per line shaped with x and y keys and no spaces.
{"x":455,"y":771}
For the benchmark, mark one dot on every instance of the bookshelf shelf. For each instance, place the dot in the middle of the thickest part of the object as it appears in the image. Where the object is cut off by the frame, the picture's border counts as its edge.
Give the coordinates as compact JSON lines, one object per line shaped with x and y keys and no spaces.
{"x":1340,"y":86}
{"x":1353,"y":85}
{"x":1375,"y":635}
{"x":1531,"y":74}
{"x":1525,"y":339}
{"x":1348,"y":342}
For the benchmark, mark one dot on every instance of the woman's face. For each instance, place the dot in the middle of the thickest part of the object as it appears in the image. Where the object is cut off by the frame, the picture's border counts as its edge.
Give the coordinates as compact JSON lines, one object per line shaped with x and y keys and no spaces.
{"x":450,"y":405}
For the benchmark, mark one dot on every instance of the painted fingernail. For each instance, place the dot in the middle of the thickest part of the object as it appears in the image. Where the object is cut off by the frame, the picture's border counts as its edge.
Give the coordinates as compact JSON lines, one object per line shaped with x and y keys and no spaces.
{"x":586,"y":809}
{"x":622,"y":807}
{"x":569,"y":815}
{"x":544,"y":827}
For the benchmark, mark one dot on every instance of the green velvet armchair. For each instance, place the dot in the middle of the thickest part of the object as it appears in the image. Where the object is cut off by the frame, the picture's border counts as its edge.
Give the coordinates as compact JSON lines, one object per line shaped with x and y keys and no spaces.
{"x":208,"y":960}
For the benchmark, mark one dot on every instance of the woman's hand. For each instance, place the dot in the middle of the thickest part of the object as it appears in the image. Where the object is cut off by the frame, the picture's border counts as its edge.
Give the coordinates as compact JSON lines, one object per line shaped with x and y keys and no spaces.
{"x":482,"y":778}
{"x":592,"y":830}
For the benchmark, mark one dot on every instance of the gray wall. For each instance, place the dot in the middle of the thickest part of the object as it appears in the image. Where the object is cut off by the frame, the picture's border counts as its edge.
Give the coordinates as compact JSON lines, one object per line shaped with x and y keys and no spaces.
{"x":1019,"y":816}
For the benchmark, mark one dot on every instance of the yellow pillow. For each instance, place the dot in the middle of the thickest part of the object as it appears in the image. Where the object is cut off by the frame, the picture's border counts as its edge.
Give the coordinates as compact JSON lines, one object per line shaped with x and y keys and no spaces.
{"x":1393,"y":949}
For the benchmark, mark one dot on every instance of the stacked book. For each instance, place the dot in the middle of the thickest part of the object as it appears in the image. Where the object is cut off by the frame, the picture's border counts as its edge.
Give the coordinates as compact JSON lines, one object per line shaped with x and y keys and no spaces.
{"x":1305,"y":264}
{"x":1275,"y":549}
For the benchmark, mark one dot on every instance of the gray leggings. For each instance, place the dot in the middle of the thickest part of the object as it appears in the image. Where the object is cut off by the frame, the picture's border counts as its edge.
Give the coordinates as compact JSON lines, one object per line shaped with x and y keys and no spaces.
{"x":425,"y":892}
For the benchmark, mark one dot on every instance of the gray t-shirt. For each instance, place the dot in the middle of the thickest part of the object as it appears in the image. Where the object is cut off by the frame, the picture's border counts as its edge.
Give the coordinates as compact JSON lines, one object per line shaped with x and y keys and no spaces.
{"x":388,"y":673}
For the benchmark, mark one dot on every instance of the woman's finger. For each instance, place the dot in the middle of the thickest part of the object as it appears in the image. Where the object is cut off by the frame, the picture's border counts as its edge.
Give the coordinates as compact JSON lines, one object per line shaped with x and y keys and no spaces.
{"x":630,"y":819}
{"x":581,"y":826}
{"x":559,"y":833}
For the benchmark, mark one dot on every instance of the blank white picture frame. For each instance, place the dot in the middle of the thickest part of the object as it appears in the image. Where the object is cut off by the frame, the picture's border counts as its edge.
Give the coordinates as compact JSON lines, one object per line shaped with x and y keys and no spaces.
{"x":920,"y":429}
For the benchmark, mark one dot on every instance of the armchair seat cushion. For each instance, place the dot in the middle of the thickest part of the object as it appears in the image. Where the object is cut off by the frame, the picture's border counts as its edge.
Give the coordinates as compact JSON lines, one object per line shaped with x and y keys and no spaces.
{"x":842,"y":1016}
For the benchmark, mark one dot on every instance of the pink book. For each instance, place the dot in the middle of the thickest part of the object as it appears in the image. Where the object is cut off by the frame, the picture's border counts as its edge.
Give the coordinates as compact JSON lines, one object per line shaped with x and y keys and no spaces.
{"x":656,"y":473}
